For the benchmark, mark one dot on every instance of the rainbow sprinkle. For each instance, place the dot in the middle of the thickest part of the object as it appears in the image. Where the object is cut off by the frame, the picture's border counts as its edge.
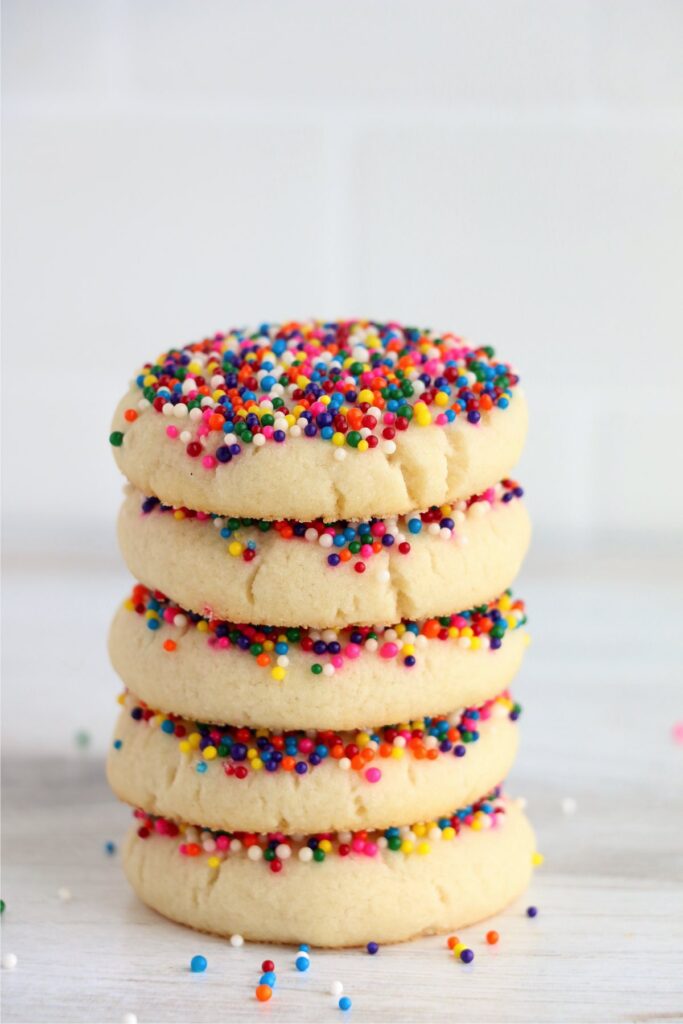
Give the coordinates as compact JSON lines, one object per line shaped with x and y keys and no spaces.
{"x":355,"y":384}
{"x":481,"y":628}
{"x":244,"y":750}
{"x":344,"y":541}
{"x":274,"y":848}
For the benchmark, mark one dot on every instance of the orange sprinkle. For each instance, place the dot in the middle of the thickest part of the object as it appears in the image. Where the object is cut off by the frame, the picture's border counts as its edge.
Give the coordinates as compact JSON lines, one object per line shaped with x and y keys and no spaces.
{"x":170,"y":645}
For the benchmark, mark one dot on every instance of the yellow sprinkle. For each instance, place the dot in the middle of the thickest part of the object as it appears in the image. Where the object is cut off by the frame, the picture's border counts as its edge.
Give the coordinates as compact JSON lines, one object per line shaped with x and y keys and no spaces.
{"x":252,"y":753}
{"x":466,"y":631}
{"x":397,"y":752}
{"x":407,"y":846}
{"x":202,"y":626}
{"x":149,"y":380}
{"x":257,"y":764}
{"x":537,"y":859}
{"x":362,"y":446}
{"x":214,"y":862}
{"x":366,"y":395}
{"x":278,"y":673}
{"x":453,"y":632}
{"x":209,"y":753}
{"x":362,"y":739}
{"x":151,"y":614}
{"x":128,"y":605}
{"x":505,"y":602}
{"x":194,"y":739}
{"x":476,"y":643}
{"x":420,"y":830}
{"x":235,"y":548}
{"x":441,"y":398}
{"x":423,"y":848}
{"x":458,"y":948}
{"x":178,"y":513}
{"x":448,"y":832}
{"x":268,"y":645}
{"x":408,"y":649}
{"x":184,"y":747}
{"x":325,"y":845}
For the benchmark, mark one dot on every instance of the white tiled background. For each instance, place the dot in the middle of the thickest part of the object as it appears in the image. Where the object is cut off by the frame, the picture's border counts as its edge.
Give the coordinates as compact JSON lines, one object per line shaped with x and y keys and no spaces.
{"x":511,"y":169}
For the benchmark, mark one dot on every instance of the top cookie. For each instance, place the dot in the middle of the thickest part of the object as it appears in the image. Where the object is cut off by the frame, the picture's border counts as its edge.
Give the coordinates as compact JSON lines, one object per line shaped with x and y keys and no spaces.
{"x":320,"y":420}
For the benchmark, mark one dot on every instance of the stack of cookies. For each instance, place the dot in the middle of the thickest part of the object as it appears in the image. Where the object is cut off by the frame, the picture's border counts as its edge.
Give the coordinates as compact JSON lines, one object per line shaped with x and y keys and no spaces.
{"x":316,"y":656}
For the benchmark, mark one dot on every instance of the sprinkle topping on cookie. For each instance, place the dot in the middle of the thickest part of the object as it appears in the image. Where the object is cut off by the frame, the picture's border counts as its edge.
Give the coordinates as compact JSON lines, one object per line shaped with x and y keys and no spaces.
{"x":355,"y":384}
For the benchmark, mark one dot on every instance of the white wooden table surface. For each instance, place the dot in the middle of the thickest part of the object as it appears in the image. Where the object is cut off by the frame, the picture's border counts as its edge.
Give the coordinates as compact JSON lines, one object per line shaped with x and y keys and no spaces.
{"x":601,"y":691}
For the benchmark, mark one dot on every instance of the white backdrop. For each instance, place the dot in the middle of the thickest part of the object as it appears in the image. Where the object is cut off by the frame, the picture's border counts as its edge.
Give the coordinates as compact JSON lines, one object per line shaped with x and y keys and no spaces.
{"x":510,"y":169}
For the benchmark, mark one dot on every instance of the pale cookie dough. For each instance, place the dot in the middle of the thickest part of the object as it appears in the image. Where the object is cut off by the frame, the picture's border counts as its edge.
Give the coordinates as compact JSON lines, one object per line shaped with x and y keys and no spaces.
{"x":290,"y":583}
{"x":343,"y":420}
{"x":302,"y":479}
{"x":182,"y":669}
{"x":343,"y":901}
{"x":147,"y":768}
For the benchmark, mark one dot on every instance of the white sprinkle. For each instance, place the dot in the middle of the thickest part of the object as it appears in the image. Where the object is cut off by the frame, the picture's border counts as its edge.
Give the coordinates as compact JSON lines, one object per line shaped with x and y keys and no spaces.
{"x":328,"y":669}
{"x":64,"y":894}
{"x":254,"y":853}
{"x":388,"y":447}
{"x":180,"y":411}
{"x":258,"y":440}
{"x":339,"y":454}
{"x":305,"y":854}
{"x":129,"y":1018}
{"x":344,"y":763}
{"x":283,"y":851}
{"x":180,"y":620}
{"x":10,"y":961}
{"x":325,"y":540}
{"x":185,"y":436}
{"x":569,"y":805}
{"x":236,"y":941}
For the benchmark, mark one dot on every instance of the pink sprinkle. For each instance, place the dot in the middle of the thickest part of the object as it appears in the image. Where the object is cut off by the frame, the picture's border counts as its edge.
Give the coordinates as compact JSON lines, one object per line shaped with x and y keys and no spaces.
{"x":358,"y":845}
{"x":366,"y":551}
{"x":378,"y":529}
{"x":337,"y":661}
{"x":306,"y":745}
{"x":222,"y":842}
{"x":373,"y":775}
{"x":223,"y":642}
{"x":677,"y":732}
{"x":203,"y":516}
{"x":208,"y":462}
{"x":172,"y":432}
{"x":441,"y":419}
{"x":267,"y":432}
{"x":388,"y":650}
{"x":389,"y":418}
{"x":371,"y":850}
{"x":352,"y":651}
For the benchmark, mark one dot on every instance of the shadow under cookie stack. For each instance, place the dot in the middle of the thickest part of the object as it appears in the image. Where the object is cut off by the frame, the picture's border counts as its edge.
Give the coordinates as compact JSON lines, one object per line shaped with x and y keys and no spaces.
{"x":316,"y":721}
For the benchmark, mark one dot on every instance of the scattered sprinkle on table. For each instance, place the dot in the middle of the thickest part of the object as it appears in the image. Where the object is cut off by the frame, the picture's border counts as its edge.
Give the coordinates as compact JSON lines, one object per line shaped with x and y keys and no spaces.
{"x":302,"y":962}
{"x":531,"y":911}
{"x":372,"y":948}
{"x":198,"y":964}
{"x":129,"y":1018}
{"x":10,"y":961}
{"x":64,"y":894}
{"x":569,"y":805}
{"x":110,"y":848}
{"x":345,"y":1003}
{"x":236,"y":941}
{"x":263,"y":993}
{"x":336,"y":988}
